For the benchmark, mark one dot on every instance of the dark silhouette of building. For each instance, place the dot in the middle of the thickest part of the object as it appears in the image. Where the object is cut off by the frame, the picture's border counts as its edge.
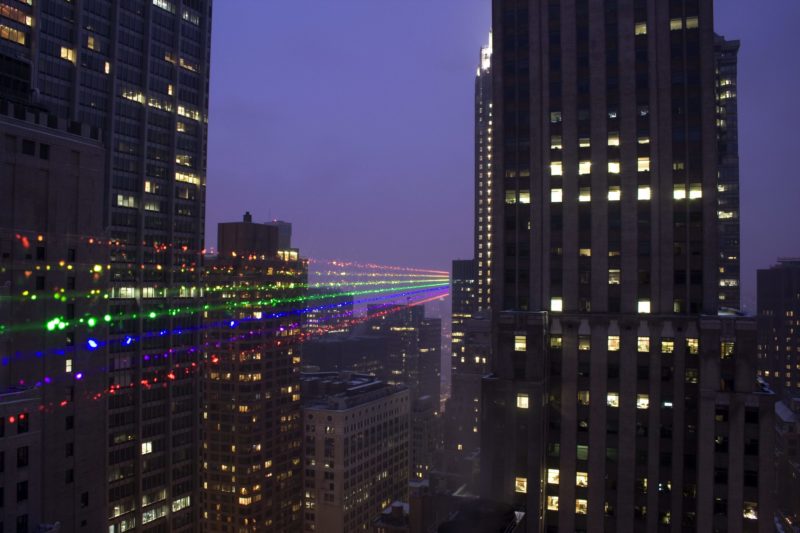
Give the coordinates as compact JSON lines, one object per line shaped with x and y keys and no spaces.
{"x":779,"y":327}
{"x":138,"y":71}
{"x":251,"y":425}
{"x":53,"y":275}
{"x":787,"y":454}
{"x":620,"y":398}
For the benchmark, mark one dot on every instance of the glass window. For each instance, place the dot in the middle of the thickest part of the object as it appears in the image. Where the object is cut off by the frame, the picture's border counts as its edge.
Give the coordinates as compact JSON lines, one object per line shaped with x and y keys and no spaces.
{"x":584,"y":167}
{"x":612,"y":400}
{"x":556,"y":168}
{"x":556,"y":341}
{"x":555,"y":142}
{"x":521,"y":485}
{"x":614,"y":193}
{"x":667,"y":346}
{"x":613,"y":343}
{"x":520,"y":343}
{"x":676,"y":24}
{"x":581,"y":506}
{"x":524,"y":197}
{"x":693,"y":345}
{"x":613,"y":167}
{"x":642,"y":401}
{"x":556,"y":195}
{"x":613,"y":138}
{"x":614,"y":276}
{"x":552,"y":503}
{"x":726,"y":349}
{"x":583,"y":397}
{"x":644,"y":193}
{"x":643,"y":344}
{"x":522,"y":400}
{"x":553,"y":476}
{"x":644,"y":306}
{"x":679,"y":192}
{"x":585,"y":194}
{"x":692,"y":23}
{"x":582,"y":479}
{"x":695,"y":191}
{"x":556,"y":305}
{"x":584,"y":343}
{"x":511,"y":197}
{"x":644,"y":164}
{"x":640,"y":28}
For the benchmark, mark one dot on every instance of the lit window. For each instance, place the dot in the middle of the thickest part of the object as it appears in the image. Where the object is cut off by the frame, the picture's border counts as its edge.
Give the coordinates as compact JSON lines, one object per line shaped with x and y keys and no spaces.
{"x":585,"y":252}
{"x":524,"y":197}
{"x":552,"y":503}
{"x":613,"y":343}
{"x":679,"y":192}
{"x":553,"y":476}
{"x":643,"y":344}
{"x":585,"y":194}
{"x":643,"y":164}
{"x":556,"y":168}
{"x":642,"y":401}
{"x":107,"y":68}
{"x":581,"y":506}
{"x":614,"y":193}
{"x":695,"y":191}
{"x":643,"y":140}
{"x":640,"y":28}
{"x":693,"y":345}
{"x":613,"y":167}
{"x":522,"y":401}
{"x":726,"y":349}
{"x":667,"y":346}
{"x":90,"y":42}
{"x":555,"y":142}
{"x":644,"y":193}
{"x":614,"y":276}
{"x":556,"y":195}
{"x":520,"y":343}
{"x":147,"y":447}
{"x":521,"y":485}
{"x":556,"y":341}
{"x":584,"y":343}
{"x":12,"y":34}
{"x":726,"y":215}
{"x":584,"y":167}
{"x":555,"y":117}
{"x":692,"y":23}
{"x":644,"y":306}
{"x":68,"y":54}
{"x":750,"y":511}
{"x":585,"y":142}
{"x":583,"y":397}
{"x":582,"y":479}
{"x":612,"y":400}
{"x":126,"y":201}
{"x":613,"y":139}
{"x":68,"y":365}
{"x":556,"y":305}
{"x":511,"y":197}
{"x":676,"y":24}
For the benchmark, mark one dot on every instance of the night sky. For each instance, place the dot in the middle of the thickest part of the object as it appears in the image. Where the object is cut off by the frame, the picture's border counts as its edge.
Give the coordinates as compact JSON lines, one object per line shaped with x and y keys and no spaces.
{"x":353,"y":119}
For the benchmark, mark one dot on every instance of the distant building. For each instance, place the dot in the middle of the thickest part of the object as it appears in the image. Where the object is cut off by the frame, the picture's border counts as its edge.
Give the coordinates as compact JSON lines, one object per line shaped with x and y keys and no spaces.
{"x":787,"y":453}
{"x":330,"y":311}
{"x":356,"y":432}
{"x":779,"y":327}
{"x":484,"y":173}
{"x":426,"y":436}
{"x":53,"y":337}
{"x":359,"y":351}
{"x":393,"y":519}
{"x":728,"y":211}
{"x":251,"y":426}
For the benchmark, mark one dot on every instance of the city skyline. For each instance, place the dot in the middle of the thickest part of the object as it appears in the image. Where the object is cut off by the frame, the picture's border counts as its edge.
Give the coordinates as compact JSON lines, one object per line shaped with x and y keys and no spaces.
{"x":294,"y":112}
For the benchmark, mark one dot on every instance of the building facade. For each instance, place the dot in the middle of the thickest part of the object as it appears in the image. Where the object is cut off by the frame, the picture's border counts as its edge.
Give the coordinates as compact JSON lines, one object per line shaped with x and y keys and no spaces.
{"x":615,"y":382}
{"x":483,"y":177}
{"x":53,"y":275}
{"x":138,"y":70}
{"x":356,"y":432}
{"x":779,"y":327}
{"x":251,"y":427}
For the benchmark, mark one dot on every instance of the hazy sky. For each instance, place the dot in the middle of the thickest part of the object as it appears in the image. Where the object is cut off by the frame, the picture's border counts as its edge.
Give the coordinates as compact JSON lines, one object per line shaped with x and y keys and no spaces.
{"x":353,"y":120}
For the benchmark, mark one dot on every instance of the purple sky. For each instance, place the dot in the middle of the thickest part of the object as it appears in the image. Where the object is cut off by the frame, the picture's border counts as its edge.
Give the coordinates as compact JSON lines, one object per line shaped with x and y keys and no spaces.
{"x":353,"y":120}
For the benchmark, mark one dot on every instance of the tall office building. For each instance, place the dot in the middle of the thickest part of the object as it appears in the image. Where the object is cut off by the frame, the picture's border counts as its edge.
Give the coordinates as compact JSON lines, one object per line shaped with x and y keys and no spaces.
{"x":52,"y":280}
{"x":619,"y":398}
{"x":779,"y":327}
{"x":356,"y":449}
{"x":464,"y":298}
{"x":483,"y":176}
{"x":727,"y":53}
{"x":251,"y":427}
{"x":138,"y":70}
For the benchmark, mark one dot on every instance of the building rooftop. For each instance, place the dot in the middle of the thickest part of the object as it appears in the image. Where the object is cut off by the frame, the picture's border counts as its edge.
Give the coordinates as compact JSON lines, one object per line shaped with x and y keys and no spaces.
{"x":339,"y":391}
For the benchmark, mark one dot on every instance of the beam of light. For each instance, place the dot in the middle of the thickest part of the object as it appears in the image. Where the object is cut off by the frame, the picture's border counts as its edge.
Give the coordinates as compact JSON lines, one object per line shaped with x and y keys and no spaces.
{"x":62,"y":323}
{"x":163,"y":377}
{"x":129,"y":340}
{"x":374,"y":266}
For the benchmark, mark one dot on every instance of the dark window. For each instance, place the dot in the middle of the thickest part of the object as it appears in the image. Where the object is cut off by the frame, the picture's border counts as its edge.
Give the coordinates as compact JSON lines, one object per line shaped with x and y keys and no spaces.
{"x":85,"y":499}
{"x":22,"y":424}
{"x":44,"y":151}
{"x":28,"y":147}
{"x":71,"y":255}
{"x":69,"y":476}
{"x":40,"y":255}
{"x":69,"y":422}
{"x":69,"y":449}
{"x":22,"y":457}
{"x":39,"y":283}
{"x":22,"y":523}
{"x":22,"y":491}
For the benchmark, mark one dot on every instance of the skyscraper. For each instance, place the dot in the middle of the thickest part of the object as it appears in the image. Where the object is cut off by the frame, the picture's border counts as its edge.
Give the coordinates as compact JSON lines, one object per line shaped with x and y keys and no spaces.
{"x":728,"y":173}
{"x":483,"y":176}
{"x":138,"y":70}
{"x":251,"y":427}
{"x":779,"y":327}
{"x":619,"y":398}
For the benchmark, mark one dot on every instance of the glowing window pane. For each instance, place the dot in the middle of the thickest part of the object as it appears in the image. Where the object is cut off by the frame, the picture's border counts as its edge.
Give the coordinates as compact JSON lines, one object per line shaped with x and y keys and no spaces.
{"x":612,"y":400}
{"x":556,"y":168}
{"x":613,"y":343}
{"x":644,"y":306}
{"x":556,"y":195}
{"x":614,"y":194}
{"x":556,"y":305}
{"x":522,"y":400}
{"x":552,"y":503}
{"x":642,"y":401}
{"x":643,"y":164}
{"x":640,"y":28}
{"x":643,"y":344}
{"x":585,"y":194}
{"x":553,"y":476}
{"x":584,"y":167}
{"x":613,"y":167}
{"x":521,"y":485}
{"x":582,"y":479}
{"x":581,"y":506}
{"x":644,"y":193}
{"x":520,"y":343}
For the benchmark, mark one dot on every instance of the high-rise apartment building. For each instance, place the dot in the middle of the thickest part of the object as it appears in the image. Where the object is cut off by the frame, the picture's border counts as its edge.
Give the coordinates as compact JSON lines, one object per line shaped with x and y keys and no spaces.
{"x":483,"y":176}
{"x":619,"y":398}
{"x":356,"y":450}
{"x":53,"y":275}
{"x":779,"y":327}
{"x":251,"y":427}
{"x":138,"y":70}
{"x":464,"y":298}
{"x":727,"y":53}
